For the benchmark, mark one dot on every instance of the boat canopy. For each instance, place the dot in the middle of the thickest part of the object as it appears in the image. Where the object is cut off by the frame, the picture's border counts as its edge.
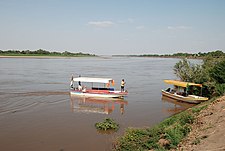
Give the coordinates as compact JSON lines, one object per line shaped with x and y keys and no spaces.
{"x":181,"y":84}
{"x":96,"y":80}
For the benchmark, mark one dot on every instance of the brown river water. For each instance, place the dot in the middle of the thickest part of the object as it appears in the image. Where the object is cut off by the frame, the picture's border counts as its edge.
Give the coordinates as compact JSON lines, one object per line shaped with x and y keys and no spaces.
{"x":38,"y":114}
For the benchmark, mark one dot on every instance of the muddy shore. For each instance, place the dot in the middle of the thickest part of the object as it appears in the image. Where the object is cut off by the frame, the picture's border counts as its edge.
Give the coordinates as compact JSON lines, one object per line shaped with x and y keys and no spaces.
{"x":208,"y":130}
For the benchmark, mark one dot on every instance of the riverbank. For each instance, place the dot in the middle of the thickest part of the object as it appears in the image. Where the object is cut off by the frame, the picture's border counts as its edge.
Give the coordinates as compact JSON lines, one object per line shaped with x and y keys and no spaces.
{"x":208,"y":131}
{"x":198,"y":128}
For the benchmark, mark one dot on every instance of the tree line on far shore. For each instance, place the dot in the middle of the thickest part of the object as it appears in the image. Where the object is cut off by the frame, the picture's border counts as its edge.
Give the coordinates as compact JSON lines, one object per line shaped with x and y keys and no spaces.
{"x":216,"y":53}
{"x":43,"y":53}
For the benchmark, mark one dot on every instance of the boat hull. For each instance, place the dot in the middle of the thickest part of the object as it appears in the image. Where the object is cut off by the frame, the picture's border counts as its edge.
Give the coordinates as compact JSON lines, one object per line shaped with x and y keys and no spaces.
{"x":189,"y":99}
{"x":104,"y":94}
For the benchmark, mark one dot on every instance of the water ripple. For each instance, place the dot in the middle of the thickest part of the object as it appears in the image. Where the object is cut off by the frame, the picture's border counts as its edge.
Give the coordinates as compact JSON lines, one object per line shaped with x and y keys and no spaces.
{"x":18,"y":102}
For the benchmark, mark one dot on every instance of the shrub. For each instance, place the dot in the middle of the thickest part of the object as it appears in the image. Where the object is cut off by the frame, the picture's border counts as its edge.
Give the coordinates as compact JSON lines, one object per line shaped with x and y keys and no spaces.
{"x":173,"y":129}
{"x":218,"y":72}
{"x":107,"y":124}
{"x":138,"y":139}
{"x":174,"y":135}
{"x":220,"y":89}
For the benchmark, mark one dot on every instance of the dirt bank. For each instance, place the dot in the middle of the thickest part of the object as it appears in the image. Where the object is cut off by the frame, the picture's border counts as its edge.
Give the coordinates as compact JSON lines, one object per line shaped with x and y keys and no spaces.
{"x":208,"y":130}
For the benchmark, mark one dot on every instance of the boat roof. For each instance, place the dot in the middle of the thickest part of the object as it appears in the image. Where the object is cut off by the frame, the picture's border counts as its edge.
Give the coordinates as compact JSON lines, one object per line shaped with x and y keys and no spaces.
{"x":96,"y":80}
{"x":181,"y":83}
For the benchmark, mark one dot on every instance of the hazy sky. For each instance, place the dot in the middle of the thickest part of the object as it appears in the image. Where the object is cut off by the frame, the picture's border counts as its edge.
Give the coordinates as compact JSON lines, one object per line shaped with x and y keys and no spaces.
{"x":113,"y":26}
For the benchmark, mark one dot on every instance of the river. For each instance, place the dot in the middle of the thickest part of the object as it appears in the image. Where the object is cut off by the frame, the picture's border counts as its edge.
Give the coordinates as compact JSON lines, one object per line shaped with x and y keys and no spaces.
{"x":37,"y":112}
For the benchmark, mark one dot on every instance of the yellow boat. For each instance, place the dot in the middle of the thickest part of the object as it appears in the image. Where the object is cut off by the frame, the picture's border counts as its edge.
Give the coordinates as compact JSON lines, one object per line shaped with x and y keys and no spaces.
{"x":182,"y":96}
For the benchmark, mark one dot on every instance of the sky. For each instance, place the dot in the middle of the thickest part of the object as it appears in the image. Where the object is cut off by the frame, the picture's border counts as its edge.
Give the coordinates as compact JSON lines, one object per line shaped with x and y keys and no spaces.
{"x":110,"y":27}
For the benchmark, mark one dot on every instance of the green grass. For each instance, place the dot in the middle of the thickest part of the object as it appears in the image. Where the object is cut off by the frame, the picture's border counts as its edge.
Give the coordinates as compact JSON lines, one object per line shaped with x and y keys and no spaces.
{"x":172,"y":129}
{"x":198,"y":109}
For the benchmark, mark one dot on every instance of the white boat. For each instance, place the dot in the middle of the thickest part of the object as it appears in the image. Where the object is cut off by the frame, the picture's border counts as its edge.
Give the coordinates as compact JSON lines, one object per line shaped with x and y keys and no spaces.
{"x":95,"y":90}
{"x":183,"y":96}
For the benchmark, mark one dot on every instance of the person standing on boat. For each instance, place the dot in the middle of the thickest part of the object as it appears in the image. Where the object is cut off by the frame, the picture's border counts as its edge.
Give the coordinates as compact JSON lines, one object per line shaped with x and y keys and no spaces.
{"x":122,"y":85}
{"x":71,"y":83}
{"x":79,"y":85}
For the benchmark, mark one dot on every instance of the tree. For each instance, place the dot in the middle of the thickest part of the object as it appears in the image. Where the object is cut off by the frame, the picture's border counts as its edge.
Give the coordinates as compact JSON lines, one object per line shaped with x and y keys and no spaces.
{"x":40,"y":51}
{"x":218,"y":72}
{"x":188,"y":72}
{"x":211,"y":74}
{"x":217,"y":53}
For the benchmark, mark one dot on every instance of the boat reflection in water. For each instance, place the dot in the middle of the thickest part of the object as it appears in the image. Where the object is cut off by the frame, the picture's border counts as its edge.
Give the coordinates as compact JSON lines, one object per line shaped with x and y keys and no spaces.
{"x":178,"y":105}
{"x":96,"y":105}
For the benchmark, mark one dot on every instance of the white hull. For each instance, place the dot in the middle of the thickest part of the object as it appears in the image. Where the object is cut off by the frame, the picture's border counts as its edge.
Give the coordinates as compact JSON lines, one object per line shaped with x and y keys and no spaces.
{"x":116,"y":94}
{"x":189,"y":99}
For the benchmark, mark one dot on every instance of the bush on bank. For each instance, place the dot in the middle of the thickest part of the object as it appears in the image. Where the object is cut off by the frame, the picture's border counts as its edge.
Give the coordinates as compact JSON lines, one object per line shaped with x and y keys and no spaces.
{"x":107,"y":124}
{"x":164,"y":136}
{"x":211,"y":73}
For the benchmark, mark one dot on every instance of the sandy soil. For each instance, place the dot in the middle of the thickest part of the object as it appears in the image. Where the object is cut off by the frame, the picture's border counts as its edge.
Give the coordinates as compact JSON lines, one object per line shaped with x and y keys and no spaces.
{"x":208,"y":131}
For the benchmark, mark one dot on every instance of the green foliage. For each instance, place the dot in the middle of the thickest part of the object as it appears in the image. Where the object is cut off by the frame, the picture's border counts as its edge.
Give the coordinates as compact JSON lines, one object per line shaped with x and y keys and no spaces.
{"x":188,"y":72}
{"x":198,"y":109}
{"x":41,"y":52}
{"x":175,"y":135}
{"x":211,"y":73}
{"x":220,"y":89}
{"x":173,"y":129}
{"x":217,"y":53}
{"x":186,"y":118}
{"x":213,"y":54}
{"x":107,"y":124}
{"x":218,"y":72}
{"x":181,"y":69}
{"x":138,"y":139}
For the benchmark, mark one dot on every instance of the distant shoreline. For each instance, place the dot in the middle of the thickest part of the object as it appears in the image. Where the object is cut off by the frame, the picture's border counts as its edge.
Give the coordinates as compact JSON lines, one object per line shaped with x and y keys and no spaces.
{"x":175,"y":57}
{"x":47,"y":54}
{"x":40,"y":53}
{"x":68,"y":57}
{"x":44,"y":57}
